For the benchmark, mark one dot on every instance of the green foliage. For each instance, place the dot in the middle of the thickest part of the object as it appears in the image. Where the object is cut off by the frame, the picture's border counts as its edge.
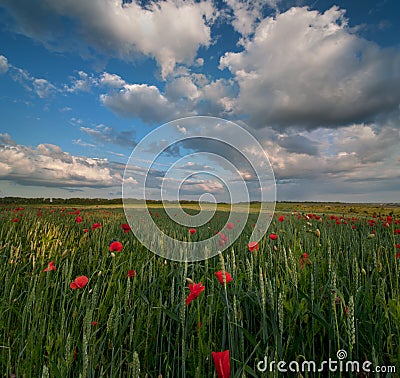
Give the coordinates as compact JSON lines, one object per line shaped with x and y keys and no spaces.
{"x":274,"y":307}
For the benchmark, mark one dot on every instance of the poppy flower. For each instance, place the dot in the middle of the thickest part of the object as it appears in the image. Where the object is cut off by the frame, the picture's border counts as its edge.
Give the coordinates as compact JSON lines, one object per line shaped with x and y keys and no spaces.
{"x":192,"y":231}
{"x":222,"y":364}
{"x":15,"y":220}
{"x":228,"y":277}
{"x":85,"y":230}
{"x":116,"y":246}
{"x":96,"y":225}
{"x":126,"y":227}
{"x":397,"y":232}
{"x":304,"y":260}
{"x":195,"y":290}
{"x":50,"y":267}
{"x":95,"y":323}
{"x":398,"y":255}
{"x":131,"y":273}
{"x":253,"y":246}
{"x":230,"y":225}
{"x":76,"y":212}
{"x":78,"y":219}
{"x":79,"y":282}
{"x":398,"y":246}
{"x":281,"y":218}
{"x":273,"y":236}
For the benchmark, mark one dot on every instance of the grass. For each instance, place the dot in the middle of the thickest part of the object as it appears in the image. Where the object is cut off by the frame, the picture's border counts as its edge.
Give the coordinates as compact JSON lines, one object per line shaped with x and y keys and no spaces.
{"x":345,"y":295}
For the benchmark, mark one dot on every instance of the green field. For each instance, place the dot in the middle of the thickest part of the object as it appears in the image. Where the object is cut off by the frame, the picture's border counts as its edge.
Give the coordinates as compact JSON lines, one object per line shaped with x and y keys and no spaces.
{"x":329,"y":282}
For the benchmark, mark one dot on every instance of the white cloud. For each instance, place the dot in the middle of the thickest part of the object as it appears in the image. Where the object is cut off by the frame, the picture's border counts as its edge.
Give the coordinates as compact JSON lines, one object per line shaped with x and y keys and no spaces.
{"x":111,"y":80}
{"x":305,"y":68}
{"x":169,"y":31}
{"x":107,"y":134}
{"x":140,"y":100}
{"x":246,"y":14}
{"x":43,"y":88}
{"x":83,"y":83}
{"x":48,"y":165}
{"x":3,"y":64}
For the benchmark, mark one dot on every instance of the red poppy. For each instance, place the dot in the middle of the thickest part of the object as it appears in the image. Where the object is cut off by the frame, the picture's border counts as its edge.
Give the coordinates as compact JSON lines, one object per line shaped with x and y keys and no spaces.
{"x":131,"y":273}
{"x":15,"y":220}
{"x":398,"y":246}
{"x":95,"y":323}
{"x":192,"y":231}
{"x":96,"y":225}
{"x":281,"y":218}
{"x":195,"y":290}
{"x":125,"y":227}
{"x":230,"y":225}
{"x":78,"y":219}
{"x":79,"y":282}
{"x":273,"y":236}
{"x":253,"y":246}
{"x":304,"y":260}
{"x":85,"y":230}
{"x":398,"y":255}
{"x":76,"y":212}
{"x":222,"y":364}
{"x":397,"y":232}
{"x":353,"y":227}
{"x":228,"y":277}
{"x":116,"y":246}
{"x":50,"y":267}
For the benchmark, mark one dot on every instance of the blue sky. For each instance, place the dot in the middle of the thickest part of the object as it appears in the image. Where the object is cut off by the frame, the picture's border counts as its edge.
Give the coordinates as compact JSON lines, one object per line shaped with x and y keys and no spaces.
{"x":316,"y":82}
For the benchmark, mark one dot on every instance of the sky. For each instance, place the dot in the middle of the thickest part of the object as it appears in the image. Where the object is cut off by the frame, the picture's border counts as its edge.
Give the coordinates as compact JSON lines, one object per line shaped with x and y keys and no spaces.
{"x":317,"y":83}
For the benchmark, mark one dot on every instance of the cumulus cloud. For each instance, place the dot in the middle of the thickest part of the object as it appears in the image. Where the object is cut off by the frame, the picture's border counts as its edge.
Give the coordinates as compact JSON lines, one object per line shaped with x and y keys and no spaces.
{"x":305,"y":68}
{"x":169,"y":31}
{"x":140,"y":100}
{"x":3,"y":64}
{"x":47,"y":165}
{"x":246,"y":14}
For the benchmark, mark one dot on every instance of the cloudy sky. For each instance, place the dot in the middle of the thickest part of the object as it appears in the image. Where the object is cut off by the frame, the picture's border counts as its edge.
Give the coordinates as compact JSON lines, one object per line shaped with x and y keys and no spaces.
{"x":316,"y":82}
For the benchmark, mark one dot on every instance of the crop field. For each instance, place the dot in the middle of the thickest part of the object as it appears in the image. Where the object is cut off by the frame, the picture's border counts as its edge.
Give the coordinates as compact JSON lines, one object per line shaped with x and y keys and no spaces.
{"x":81,"y":297}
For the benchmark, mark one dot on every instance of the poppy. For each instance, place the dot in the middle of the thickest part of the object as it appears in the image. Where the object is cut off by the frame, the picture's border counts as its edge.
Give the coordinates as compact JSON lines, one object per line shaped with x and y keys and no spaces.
{"x":192,"y":231}
{"x":15,"y":220}
{"x":397,"y":232}
{"x":195,"y":290}
{"x":131,"y":273}
{"x":76,"y":212}
{"x":78,"y":219}
{"x":222,"y":364}
{"x":281,"y":218}
{"x":304,"y":260}
{"x":85,"y":230}
{"x":95,"y":323}
{"x":79,"y":282}
{"x":125,"y":227}
{"x":398,"y":246}
{"x":273,"y":236}
{"x":398,"y":255}
{"x":230,"y":225}
{"x":96,"y":225}
{"x":253,"y":246}
{"x":50,"y":267}
{"x":116,"y":246}
{"x":228,"y":277}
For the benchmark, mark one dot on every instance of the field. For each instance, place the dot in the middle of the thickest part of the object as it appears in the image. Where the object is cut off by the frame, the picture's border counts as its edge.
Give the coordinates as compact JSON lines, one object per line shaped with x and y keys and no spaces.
{"x":328,"y":282}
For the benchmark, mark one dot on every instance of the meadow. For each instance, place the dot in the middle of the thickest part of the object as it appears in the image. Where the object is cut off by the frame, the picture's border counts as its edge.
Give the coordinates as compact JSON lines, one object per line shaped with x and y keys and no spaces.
{"x":81,"y":297}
